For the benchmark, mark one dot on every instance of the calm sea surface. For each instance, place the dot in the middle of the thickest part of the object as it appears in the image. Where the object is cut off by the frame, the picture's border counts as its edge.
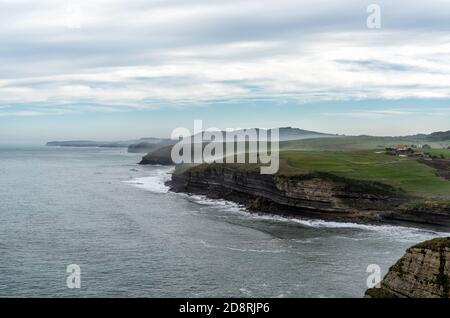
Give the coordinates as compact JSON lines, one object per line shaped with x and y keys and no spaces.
{"x":132,"y":238}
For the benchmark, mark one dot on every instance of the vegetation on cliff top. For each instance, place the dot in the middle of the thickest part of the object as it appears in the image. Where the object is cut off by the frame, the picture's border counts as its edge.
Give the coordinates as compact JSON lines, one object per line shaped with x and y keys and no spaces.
{"x":368,"y":165}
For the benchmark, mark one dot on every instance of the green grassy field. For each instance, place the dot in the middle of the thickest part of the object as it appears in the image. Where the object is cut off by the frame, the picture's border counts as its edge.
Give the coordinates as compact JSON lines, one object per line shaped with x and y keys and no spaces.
{"x":405,"y":173}
{"x":439,"y":152}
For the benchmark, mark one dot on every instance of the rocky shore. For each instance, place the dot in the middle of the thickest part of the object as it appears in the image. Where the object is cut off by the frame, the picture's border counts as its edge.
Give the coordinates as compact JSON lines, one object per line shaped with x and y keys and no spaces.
{"x":423,"y":272}
{"x":319,"y":195}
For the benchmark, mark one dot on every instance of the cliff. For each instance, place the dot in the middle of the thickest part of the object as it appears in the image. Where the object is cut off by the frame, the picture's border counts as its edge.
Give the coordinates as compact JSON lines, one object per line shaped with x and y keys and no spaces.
{"x":317,"y":194}
{"x":423,"y":272}
{"x":160,"y":156}
{"x":321,"y":195}
{"x":145,"y":147}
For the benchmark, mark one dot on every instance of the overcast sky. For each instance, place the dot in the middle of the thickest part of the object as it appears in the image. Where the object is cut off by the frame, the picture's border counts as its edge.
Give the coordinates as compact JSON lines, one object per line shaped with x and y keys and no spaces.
{"x":127,"y":69}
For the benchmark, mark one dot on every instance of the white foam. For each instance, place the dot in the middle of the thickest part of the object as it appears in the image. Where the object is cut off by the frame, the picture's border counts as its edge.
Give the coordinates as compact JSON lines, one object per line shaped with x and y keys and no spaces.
{"x":399,"y":233}
{"x":156,"y":180}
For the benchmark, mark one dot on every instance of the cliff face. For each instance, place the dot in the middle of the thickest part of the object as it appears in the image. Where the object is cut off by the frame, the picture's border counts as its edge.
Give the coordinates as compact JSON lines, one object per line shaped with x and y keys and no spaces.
{"x":423,"y":272}
{"x":319,"y":194}
{"x":159,"y":156}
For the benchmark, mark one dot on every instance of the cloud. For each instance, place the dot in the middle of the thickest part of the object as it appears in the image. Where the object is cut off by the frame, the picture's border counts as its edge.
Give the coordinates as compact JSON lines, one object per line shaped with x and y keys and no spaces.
{"x":385,"y":113}
{"x":150,"y":54}
{"x":22,"y":114}
{"x":378,"y":65}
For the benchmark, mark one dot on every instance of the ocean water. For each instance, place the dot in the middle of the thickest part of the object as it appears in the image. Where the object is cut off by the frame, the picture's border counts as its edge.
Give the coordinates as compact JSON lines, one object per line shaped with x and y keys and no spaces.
{"x":131,"y":237}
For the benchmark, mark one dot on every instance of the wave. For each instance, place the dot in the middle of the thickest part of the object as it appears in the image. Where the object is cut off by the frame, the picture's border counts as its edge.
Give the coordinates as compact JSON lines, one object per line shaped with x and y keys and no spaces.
{"x":155,"y":182}
{"x":399,"y":232}
{"x":218,"y":203}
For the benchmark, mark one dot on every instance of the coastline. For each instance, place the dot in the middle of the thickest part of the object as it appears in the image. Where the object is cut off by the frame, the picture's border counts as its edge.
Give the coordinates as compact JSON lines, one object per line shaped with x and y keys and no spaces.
{"x":278,"y":196}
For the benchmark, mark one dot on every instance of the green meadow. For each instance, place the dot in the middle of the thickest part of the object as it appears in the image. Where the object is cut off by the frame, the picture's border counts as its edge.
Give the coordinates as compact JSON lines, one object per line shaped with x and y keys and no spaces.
{"x":370,"y":165}
{"x":439,"y":152}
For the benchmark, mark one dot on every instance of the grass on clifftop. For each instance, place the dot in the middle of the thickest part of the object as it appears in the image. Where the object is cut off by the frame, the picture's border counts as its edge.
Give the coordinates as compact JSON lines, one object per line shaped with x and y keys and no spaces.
{"x":445,"y":153}
{"x":405,"y":173}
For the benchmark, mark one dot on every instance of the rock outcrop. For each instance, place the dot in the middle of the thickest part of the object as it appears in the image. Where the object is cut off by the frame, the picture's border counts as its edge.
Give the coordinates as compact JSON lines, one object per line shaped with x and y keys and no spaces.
{"x":145,"y":147}
{"x":321,"y":195}
{"x":160,"y":156}
{"x":423,"y":272}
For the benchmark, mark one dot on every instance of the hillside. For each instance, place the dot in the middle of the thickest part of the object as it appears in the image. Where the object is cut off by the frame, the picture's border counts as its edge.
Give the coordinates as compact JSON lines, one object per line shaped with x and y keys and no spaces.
{"x":439,"y":136}
{"x":285,"y":133}
{"x":405,"y":173}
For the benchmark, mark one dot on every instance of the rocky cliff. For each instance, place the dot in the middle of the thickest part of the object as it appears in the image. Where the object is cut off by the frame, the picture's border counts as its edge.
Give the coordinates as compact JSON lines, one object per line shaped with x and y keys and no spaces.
{"x":319,"y":194}
{"x":145,"y":147}
{"x":322,"y":195}
{"x":160,"y":156}
{"x":423,"y":272}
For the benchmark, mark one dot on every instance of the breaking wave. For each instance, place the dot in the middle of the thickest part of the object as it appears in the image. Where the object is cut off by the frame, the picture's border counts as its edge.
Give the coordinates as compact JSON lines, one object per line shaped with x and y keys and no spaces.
{"x":155,"y":182}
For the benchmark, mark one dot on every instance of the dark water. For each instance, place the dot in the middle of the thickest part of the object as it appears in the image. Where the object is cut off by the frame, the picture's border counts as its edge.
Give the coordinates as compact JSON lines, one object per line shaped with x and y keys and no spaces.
{"x":61,"y":206}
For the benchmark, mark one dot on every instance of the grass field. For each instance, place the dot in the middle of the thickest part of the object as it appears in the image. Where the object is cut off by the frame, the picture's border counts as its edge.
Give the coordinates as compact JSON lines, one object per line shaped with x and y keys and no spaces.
{"x":439,"y":152}
{"x":405,"y":173}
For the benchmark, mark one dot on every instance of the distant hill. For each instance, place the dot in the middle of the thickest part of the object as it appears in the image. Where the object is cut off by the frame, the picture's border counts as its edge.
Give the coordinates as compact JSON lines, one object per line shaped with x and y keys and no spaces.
{"x":285,"y":134}
{"x":439,"y":136}
{"x":148,"y":144}
{"x":108,"y":144}
{"x":78,"y":143}
{"x":289,"y":133}
{"x":292,"y":138}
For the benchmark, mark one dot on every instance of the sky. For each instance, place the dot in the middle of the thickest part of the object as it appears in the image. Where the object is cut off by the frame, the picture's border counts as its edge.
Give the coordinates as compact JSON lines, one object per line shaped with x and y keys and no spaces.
{"x":115,"y":70}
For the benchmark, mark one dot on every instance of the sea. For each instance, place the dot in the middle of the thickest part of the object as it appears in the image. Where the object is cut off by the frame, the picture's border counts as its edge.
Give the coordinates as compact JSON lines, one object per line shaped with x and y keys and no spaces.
{"x":130,"y":236}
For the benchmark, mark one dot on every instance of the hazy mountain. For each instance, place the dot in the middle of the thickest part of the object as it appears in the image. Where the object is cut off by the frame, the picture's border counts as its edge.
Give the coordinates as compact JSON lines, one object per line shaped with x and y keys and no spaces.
{"x":109,"y":144}
{"x":289,"y":133}
{"x":439,"y":136}
{"x":285,"y":133}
